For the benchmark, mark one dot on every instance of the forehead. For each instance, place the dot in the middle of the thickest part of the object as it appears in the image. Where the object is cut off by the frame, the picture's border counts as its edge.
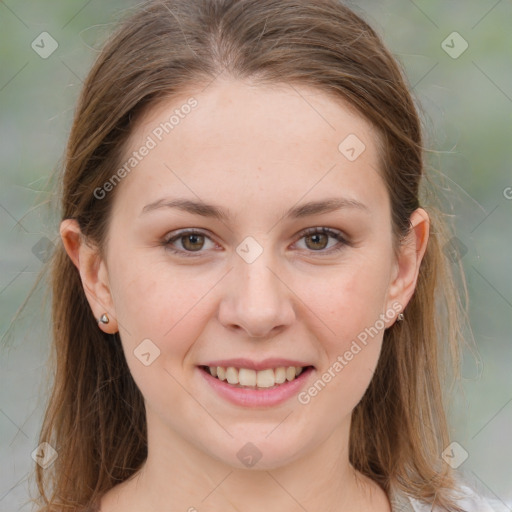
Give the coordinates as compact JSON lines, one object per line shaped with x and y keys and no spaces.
{"x":279,"y":142}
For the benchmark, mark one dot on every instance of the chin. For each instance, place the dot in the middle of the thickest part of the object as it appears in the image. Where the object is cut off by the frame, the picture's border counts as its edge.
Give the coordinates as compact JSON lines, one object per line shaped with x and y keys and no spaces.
{"x":258,"y":451}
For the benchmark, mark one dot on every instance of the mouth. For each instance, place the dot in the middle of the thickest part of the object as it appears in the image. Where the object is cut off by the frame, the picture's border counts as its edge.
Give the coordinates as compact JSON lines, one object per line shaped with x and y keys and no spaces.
{"x":247,"y":378}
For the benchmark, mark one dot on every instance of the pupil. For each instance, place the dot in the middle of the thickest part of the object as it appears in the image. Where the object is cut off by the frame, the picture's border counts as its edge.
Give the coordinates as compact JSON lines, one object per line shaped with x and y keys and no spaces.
{"x":193,"y":240}
{"x":315,"y":238}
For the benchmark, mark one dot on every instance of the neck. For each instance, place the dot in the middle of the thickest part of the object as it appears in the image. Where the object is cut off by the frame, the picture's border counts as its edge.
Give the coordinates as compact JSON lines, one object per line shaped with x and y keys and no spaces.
{"x":180,"y":476}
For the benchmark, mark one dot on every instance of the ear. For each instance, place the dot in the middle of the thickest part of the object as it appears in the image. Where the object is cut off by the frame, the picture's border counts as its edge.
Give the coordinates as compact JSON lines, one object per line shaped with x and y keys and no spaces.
{"x":93,"y":273}
{"x":410,"y":255}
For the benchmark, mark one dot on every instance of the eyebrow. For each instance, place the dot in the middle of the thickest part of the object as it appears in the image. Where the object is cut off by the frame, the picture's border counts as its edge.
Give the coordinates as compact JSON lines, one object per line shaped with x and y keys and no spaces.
{"x":217,"y":212}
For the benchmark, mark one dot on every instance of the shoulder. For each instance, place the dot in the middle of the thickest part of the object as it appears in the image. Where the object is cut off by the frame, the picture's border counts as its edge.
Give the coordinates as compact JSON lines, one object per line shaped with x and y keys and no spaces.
{"x":467,"y":498}
{"x":470,"y":501}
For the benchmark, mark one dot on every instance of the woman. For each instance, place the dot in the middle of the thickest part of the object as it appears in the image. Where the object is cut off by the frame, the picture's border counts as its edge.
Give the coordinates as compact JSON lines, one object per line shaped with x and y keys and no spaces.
{"x":250,"y":294}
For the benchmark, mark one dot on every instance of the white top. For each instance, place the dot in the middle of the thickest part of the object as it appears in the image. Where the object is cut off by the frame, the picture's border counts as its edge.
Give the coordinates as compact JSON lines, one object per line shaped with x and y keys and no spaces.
{"x":467,"y":499}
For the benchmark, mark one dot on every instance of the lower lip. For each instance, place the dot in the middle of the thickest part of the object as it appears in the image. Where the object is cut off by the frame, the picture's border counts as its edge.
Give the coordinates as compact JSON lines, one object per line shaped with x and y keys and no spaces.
{"x":257,"y":397}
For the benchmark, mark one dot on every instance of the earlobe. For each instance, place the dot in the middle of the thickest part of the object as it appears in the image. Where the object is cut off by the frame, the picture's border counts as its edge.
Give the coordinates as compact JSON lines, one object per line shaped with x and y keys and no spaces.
{"x":410,"y":256}
{"x":93,"y":273}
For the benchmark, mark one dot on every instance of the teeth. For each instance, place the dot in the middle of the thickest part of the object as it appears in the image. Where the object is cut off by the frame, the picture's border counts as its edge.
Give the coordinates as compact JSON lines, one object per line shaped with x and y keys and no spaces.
{"x":232,"y":375}
{"x":290,"y":373}
{"x":280,"y":374}
{"x":252,"y":378}
{"x":266,"y":378}
{"x":247,"y":377}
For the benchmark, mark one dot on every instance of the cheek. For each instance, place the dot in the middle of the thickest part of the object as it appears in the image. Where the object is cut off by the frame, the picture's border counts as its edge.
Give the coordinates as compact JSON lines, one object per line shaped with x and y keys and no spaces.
{"x":348,"y":322}
{"x":160,"y":313}
{"x":351,"y":299}
{"x":159,"y":303}
{"x":350,"y":337}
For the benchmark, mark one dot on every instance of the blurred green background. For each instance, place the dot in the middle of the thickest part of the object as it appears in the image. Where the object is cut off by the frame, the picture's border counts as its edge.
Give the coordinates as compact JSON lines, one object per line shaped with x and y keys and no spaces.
{"x":465,"y":96}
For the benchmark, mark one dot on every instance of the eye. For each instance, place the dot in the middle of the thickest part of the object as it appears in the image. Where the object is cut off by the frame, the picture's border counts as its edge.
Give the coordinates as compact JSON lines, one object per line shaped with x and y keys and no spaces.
{"x":317,"y":240}
{"x":191,"y":240}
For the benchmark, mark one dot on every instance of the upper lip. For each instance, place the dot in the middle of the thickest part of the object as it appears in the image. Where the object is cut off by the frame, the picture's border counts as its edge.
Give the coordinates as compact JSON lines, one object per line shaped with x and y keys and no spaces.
{"x":273,"y":362}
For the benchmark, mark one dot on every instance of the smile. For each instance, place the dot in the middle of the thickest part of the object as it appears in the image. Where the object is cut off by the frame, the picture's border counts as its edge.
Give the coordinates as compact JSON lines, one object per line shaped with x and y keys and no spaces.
{"x":248,"y":378}
{"x":256,"y":388}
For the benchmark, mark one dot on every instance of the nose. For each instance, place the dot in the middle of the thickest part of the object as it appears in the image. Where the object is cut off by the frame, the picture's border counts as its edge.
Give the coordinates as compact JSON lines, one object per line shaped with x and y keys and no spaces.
{"x":258,"y":300}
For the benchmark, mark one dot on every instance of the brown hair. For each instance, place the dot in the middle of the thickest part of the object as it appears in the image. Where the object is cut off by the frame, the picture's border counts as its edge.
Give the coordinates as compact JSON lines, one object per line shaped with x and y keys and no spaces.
{"x":95,"y":417}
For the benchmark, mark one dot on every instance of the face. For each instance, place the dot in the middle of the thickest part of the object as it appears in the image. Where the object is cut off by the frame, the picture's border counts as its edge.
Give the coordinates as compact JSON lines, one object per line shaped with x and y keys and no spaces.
{"x":270,"y":283}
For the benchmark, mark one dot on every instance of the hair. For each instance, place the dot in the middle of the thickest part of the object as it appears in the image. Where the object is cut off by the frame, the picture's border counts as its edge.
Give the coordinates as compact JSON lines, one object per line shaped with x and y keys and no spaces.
{"x":95,"y":417}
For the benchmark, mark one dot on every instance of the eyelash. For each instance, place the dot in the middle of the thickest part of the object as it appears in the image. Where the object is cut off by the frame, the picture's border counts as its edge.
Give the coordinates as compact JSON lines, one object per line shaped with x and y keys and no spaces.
{"x":308,"y":232}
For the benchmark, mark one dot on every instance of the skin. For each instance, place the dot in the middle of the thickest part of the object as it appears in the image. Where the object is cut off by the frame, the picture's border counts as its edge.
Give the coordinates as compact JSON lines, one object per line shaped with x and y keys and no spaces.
{"x":258,"y":151}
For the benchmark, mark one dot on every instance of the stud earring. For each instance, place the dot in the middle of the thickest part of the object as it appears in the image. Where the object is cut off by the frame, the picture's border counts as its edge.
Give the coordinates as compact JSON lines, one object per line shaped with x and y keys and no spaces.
{"x":104,"y":319}
{"x":400,"y":317}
